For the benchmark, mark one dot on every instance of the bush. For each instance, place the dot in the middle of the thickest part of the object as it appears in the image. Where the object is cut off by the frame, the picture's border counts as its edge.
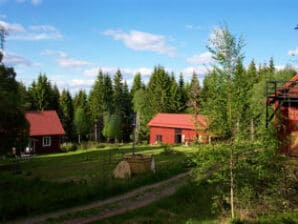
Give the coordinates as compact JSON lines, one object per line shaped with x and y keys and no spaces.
{"x":90,"y":144}
{"x":167,"y":149}
{"x":68,"y":146}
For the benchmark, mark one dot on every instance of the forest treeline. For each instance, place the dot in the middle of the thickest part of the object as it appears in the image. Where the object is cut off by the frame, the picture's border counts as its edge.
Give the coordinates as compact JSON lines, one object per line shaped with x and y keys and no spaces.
{"x":232,"y":96}
{"x":107,"y":112}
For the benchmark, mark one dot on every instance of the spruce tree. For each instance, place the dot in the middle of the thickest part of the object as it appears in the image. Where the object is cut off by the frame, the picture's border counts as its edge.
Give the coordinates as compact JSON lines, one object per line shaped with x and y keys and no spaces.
{"x":159,"y":91}
{"x":96,"y":104}
{"x":66,"y":114}
{"x":14,"y":128}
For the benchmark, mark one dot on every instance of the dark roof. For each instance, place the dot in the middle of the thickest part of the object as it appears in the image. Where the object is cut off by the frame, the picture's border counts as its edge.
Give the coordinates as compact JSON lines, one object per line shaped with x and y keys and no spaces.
{"x":184,"y":121}
{"x":288,"y":90}
{"x":44,"y":123}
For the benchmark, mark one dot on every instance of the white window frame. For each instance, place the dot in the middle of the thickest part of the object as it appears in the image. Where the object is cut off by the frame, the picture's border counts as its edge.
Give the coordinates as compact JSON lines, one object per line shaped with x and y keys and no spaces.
{"x":46,"y":141}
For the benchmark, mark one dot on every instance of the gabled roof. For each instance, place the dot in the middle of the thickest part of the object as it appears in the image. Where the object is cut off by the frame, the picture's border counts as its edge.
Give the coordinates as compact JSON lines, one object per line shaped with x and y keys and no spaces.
{"x":184,"y":121}
{"x":289,"y":89}
{"x":44,"y":123}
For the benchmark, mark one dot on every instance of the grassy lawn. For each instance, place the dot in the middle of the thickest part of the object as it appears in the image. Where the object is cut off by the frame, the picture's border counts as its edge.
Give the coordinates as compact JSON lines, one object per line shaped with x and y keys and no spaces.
{"x":191,"y":204}
{"x":56,"y":181}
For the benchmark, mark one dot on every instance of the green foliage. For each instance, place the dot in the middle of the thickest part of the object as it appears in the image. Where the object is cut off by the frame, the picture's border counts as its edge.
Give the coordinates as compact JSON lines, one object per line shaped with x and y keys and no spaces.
{"x":43,"y":96}
{"x":96,"y":105}
{"x":14,"y":127}
{"x":159,"y":91}
{"x":66,"y":113}
{"x":80,"y":122}
{"x":68,"y":146}
{"x":262,"y":178}
{"x":112,"y":127}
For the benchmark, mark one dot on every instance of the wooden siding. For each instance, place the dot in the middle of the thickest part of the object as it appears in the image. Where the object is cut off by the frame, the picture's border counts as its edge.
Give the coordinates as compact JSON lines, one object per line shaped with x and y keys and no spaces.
{"x":55,"y":144}
{"x":168,"y":135}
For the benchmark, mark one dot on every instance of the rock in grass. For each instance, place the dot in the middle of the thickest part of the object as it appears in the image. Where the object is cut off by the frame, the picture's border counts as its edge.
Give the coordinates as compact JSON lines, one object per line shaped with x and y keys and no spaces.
{"x":122,"y":170}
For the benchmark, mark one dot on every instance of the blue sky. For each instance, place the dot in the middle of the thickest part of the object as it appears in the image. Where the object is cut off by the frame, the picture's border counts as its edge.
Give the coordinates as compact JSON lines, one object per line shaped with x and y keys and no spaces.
{"x":69,"y":40}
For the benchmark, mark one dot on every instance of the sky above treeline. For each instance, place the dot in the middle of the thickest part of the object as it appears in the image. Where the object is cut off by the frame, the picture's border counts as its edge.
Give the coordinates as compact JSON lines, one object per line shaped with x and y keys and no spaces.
{"x":70,"y":40}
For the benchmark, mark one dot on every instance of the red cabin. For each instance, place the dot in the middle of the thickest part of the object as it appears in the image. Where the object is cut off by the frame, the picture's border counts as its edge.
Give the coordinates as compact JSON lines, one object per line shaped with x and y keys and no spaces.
{"x":177,"y":128}
{"x":45,"y":131}
{"x":284,"y":101}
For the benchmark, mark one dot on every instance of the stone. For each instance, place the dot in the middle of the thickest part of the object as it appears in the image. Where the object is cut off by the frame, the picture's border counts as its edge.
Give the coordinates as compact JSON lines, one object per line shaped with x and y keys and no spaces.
{"x":122,"y":170}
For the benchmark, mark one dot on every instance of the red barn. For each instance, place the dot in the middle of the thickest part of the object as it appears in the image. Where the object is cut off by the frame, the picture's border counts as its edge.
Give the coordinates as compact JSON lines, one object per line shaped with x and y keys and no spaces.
{"x":45,"y":131}
{"x":284,"y":101}
{"x":177,"y":128}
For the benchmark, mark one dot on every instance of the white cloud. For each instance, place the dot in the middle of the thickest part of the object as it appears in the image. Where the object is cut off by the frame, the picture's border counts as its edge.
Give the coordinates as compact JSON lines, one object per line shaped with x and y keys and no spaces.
{"x":68,"y":62}
{"x":142,"y":41}
{"x":65,"y":61}
{"x":73,"y":85}
{"x":112,"y":70}
{"x":33,"y":2}
{"x":12,"y":59}
{"x":51,"y":52}
{"x":293,"y":52}
{"x":11,"y":27}
{"x":203,"y":58}
{"x":81,"y":83}
{"x":44,"y":28}
{"x":193,"y":27}
{"x":32,"y":33}
{"x":200,"y":70}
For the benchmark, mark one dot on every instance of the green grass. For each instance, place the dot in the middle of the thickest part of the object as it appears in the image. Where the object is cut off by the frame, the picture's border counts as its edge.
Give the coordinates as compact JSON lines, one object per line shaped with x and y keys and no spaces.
{"x":191,"y":204}
{"x":56,"y":181}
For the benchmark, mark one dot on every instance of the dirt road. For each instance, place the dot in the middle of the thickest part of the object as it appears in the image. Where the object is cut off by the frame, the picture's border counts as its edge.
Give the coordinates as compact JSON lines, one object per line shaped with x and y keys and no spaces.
{"x":113,"y":206}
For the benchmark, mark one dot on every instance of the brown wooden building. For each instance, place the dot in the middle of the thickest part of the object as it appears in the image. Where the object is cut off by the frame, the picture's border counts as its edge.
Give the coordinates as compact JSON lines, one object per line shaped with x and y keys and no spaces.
{"x":45,"y":131}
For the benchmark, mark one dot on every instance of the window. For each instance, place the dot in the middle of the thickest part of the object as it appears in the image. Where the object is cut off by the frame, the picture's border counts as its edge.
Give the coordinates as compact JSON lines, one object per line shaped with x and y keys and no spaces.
{"x":158,"y":138}
{"x":46,"y":141}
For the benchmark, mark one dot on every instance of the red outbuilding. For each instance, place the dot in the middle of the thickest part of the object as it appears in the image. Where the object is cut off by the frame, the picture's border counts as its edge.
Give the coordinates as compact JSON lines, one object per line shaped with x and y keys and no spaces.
{"x":45,"y":131}
{"x":177,"y":128}
{"x":282,"y":96}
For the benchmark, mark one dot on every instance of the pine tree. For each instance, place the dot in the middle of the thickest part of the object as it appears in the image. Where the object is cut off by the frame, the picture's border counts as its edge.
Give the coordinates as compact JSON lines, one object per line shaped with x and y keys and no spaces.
{"x":66,"y":114}
{"x":54,"y":98}
{"x":137,"y":83}
{"x":159,"y":91}
{"x":181,"y":95}
{"x":193,"y":102}
{"x":138,"y":95}
{"x":14,"y":128}
{"x":96,"y":102}
{"x":174,"y":93}
{"x":108,"y":94}
{"x":40,"y":93}
{"x":127,"y":112}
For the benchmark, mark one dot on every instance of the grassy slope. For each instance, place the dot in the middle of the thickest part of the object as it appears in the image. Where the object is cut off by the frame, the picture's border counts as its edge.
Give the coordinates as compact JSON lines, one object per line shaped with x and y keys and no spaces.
{"x":55,"y":181}
{"x":191,"y":204}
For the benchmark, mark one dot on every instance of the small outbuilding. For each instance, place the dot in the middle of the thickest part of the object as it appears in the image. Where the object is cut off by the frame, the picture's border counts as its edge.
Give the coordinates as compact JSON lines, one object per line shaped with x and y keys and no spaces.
{"x":282,"y":97}
{"x":178,"y":128}
{"x":46,"y":131}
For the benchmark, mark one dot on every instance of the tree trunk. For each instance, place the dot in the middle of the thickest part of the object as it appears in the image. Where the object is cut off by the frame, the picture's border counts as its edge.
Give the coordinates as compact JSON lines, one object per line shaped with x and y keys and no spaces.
{"x":137,"y":128}
{"x":79,"y":139}
{"x":95,"y":133}
{"x":232,"y":181}
{"x":238,"y":126}
{"x":252,"y":130}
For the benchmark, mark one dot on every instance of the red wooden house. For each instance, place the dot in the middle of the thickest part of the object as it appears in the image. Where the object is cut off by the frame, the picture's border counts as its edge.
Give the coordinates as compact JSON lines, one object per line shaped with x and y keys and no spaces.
{"x":284,"y":101}
{"x":177,"y":128}
{"x":45,"y":131}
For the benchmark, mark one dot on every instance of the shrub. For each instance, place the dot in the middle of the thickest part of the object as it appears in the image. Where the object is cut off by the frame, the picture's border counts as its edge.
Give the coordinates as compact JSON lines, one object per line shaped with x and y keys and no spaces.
{"x":68,"y":146}
{"x":167,"y":149}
